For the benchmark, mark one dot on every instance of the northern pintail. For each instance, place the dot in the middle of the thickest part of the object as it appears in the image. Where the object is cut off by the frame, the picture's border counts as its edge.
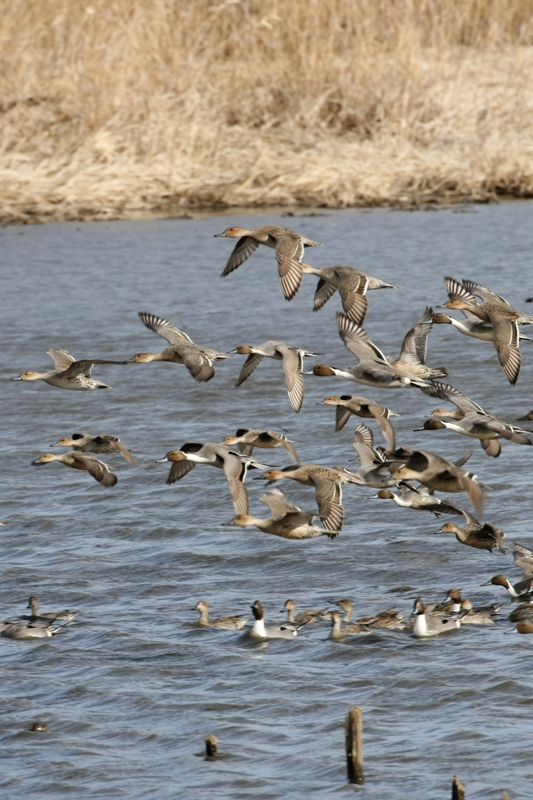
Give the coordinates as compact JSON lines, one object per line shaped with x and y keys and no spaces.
{"x":432,"y":625}
{"x":39,"y":726}
{"x":471,"y":326}
{"x":292,"y":361}
{"x":440,"y":475}
{"x":234,"y":623}
{"x":248,"y":438}
{"x":69,"y":373}
{"x":101,"y":443}
{"x":375,"y":471}
{"x":30,"y":630}
{"x":523,"y":588}
{"x":484,"y":536}
{"x":339,"y":631}
{"x":289,"y":247}
{"x":307,"y":617}
{"x":526,"y":626}
{"x":497,"y":311}
{"x":469,"y":419}
{"x":524,"y":611}
{"x":352,"y":283}
{"x":286,"y":519}
{"x":328,"y":489}
{"x":234,"y":464}
{"x":420,"y":499}
{"x":262,"y":631}
{"x":182,"y":350}
{"x":390,"y":618}
{"x":411,"y":363}
{"x":529,"y":415}
{"x":35,"y":616}
{"x":482,"y":615}
{"x":412,"y":358}
{"x":348,"y":404}
{"x":99,"y":470}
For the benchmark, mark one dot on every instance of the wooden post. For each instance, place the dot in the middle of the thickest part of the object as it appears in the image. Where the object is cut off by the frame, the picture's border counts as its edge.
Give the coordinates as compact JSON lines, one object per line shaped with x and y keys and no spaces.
{"x":354,"y":745}
{"x":458,"y":790}
{"x":211,"y":746}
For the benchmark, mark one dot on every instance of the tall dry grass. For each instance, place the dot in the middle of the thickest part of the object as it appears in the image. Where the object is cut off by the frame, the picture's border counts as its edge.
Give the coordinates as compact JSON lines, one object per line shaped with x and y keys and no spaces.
{"x":114,"y":107}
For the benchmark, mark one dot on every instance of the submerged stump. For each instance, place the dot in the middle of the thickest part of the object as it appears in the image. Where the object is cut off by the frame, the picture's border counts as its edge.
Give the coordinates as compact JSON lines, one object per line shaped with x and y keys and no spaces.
{"x":354,"y":745}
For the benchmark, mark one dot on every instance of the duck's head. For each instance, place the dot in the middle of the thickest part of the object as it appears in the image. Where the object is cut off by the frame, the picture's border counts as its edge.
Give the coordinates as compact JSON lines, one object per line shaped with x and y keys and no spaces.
{"x":331,"y":400}
{"x":45,"y":458}
{"x":322,"y":370}
{"x":141,"y":358}
{"x":441,"y":319}
{"x":29,"y":375}
{"x":234,"y":232}
{"x":431,"y":425}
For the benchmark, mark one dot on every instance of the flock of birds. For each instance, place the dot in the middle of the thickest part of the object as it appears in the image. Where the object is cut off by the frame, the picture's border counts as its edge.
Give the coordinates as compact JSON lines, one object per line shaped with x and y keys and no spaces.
{"x":416,"y":475}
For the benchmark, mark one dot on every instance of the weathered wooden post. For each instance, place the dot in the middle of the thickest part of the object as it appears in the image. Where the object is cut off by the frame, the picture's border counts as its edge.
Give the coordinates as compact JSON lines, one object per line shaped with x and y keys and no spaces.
{"x":458,"y":790}
{"x":211,"y":746}
{"x":354,"y":745}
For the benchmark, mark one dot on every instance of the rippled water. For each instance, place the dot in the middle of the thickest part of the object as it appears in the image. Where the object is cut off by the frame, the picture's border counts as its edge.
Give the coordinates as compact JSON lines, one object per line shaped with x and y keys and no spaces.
{"x":131,"y":688}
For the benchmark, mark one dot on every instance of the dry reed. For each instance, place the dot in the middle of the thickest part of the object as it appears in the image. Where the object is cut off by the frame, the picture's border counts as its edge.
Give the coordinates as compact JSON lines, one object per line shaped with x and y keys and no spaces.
{"x":121,"y":107}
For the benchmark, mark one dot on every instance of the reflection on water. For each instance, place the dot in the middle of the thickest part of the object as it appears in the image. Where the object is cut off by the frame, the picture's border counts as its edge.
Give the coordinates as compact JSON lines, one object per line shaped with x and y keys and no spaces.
{"x":131,"y":688}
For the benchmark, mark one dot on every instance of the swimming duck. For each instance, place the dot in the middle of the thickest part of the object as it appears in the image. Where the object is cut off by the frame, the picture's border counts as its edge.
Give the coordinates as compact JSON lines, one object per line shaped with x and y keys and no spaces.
{"x":68,"y":373}
{"x":99,"y":470}
{"x":30,"y":630}
{"x":234,"y":623}
{"x":339,"y":631}
{"x":348,"y":404}
{"x":102,"y":443}
{"x":307,"y":617}
{"x":525,"y":627}
{"x":482,"y":615}
{"x":524,"y":611}
{"x":286,"y":519}
{"x":439,"y":475}
{"x":475,"y":534}
{"x":383,"y":619}
{"x":292,"y":361}
{"x":352,"y":283}
{"x":182,"y":350}
{"x":234,"y":464}
{"x":497,"y":311}
{"x":432,"y":625}
{"x":35,"y":616}
{"x":328,"y":491}
{"x":248,"y":438}
{"x":260,"y":631}
{"x":289,"y":247}
{"x":522,"y":588}
{"x":420,"y":499}
{"x":471,"y":420}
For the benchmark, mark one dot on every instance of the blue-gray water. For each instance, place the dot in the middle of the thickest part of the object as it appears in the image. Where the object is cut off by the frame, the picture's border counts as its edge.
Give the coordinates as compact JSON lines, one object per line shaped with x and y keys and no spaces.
{"x":131,"y":688}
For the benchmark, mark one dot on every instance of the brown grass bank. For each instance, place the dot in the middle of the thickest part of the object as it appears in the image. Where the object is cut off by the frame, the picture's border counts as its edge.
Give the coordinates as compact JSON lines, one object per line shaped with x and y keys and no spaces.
{"x":115,"y":107}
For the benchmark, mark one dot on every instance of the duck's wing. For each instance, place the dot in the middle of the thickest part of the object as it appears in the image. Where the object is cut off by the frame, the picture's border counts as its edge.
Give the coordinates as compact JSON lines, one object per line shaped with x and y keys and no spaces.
{"x":456,"y":291}
{"x":381,"y":415}
{"x":324,"y":291}
{"x":492,"y":447}
{"x":235,"y":472}
{"x":118,"y":446}
{"x":251,"y":364}
{"x":277,"y":502}
{"x":357,"y":340}
{"x":444,"y":391}
{"x":483,"y":291}
{"x":506,"y":335}
{"x":289,"y":252}
{"x":352,"y":289}
{"x":292,"y":367}
{"x":242,"y":251}
{"x":178,"y":470}
{"x":198,"y":365}
{"x":523,"y":558}
{"x":363,"y":443}
{"x":165,"y":329}
{"x":96,"y":468}
{"x":329,"y":500}
{"x":414,"y":345}
{"x":61,"y":358}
